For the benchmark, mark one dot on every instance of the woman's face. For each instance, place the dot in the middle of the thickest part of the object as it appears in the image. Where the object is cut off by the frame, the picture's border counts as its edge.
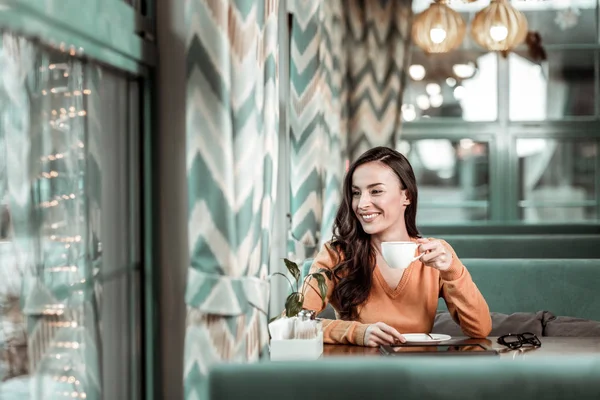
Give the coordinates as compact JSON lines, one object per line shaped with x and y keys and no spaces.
{"x":378,"y":200}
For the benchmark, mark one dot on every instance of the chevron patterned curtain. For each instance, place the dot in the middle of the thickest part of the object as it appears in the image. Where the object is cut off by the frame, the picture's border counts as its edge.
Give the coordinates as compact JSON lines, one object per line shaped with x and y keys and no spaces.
{"x":232,"y":144}
{"x":318,"y":119}
{"x":347,"y":66}
{"x":378,"y":54}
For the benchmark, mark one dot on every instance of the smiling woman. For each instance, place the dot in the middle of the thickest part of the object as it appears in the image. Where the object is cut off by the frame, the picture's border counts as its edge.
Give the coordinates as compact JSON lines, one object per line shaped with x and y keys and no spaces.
{"x":376,"y":193}
{"x":376,"y":304}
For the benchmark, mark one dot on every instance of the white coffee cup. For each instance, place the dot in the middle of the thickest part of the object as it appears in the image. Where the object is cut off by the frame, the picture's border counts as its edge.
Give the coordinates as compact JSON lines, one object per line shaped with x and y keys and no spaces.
{"x":399,"y":255}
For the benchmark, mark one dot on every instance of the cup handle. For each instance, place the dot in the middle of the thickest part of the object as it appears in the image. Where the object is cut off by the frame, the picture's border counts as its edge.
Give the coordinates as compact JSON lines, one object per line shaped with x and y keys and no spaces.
{"x":417,"y":257}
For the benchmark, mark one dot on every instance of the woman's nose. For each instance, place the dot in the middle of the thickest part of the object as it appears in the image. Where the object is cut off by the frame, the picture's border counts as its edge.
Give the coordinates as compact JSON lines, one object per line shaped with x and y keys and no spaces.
{"x":364,"y":200}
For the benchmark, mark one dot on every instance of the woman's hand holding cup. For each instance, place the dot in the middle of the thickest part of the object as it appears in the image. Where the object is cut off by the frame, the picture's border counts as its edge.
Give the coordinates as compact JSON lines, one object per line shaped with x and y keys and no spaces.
{"x":380,"y":333}
{"x":436,"y":255}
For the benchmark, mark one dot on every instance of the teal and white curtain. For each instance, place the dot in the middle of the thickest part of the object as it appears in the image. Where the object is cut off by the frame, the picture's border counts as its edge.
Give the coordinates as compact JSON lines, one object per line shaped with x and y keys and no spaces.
{"x":43,"y":119}
{"x":347,"y":76}
{"x":232,"y":145}
{"x":318,"y":120}
{"x":378,"y":54}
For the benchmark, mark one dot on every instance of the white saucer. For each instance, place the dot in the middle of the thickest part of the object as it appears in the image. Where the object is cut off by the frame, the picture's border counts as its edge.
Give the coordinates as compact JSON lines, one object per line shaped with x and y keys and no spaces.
{"x":423,"y":338}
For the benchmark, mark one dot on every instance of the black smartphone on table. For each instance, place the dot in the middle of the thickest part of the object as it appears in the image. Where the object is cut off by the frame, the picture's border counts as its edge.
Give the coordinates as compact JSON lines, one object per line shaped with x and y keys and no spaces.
{"x":453,"y":349}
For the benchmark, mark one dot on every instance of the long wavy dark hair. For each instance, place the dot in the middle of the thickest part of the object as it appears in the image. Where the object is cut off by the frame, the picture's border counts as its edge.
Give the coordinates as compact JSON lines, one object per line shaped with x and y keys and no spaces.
{"x":353,"y":244}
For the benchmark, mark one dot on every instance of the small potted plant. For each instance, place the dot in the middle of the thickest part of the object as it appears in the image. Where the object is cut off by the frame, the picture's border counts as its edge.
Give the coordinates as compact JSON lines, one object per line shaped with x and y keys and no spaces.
{"x":296,"y":334}
{"x":295,"y":300}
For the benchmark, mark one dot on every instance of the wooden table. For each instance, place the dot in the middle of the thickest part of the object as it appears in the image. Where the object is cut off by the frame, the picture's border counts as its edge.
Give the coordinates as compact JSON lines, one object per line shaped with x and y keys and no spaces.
{"x":551,"y":346}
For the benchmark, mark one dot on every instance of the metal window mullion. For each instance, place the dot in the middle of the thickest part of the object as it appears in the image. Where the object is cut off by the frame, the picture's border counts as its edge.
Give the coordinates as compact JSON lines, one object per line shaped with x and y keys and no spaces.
{"x":150,"y":276}
{"x":598,"y":22}
{"x":557,"y":130}
{"x":454,"y":204}
{"x":545,"y":204}
{"x":597,"y":179}
{"x":596,"y":84}
{"x":447,"y":125}
{"x":502,"y":179}
{"x":476,"y":136}
{"x":568,"y":162}
{"x":132,"y":240}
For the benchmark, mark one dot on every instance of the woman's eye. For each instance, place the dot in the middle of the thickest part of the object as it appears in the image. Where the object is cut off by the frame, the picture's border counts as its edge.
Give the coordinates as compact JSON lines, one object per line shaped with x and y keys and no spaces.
{"x":376,"y":191}
{"x":355,"y":194}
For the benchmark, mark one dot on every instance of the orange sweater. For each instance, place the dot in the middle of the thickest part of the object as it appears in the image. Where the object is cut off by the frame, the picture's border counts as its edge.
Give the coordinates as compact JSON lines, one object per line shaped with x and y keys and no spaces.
{"x":411,"y":307}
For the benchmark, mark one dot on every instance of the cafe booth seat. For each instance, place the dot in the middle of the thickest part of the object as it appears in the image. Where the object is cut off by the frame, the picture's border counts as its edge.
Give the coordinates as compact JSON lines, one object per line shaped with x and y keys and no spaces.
{"x":525,"y":246}
{"x":351,"y":378}
{"x":563,"y":287}
{"x":486,"y":228}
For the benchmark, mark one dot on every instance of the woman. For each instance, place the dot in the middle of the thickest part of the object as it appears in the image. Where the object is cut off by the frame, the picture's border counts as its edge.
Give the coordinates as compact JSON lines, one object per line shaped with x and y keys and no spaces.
{"x":374,"y":303}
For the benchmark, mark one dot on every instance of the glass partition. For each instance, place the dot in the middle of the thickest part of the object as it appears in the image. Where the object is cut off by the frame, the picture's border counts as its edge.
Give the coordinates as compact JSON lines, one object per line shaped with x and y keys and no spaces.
{"x":561,"y":22}
{"x":460,"y":84}
{"x":561,"y":87}
{"x":69,"y":257}
{"x":557,"y":179}
{"x":452,"y":177}
{"x":536,"y":112}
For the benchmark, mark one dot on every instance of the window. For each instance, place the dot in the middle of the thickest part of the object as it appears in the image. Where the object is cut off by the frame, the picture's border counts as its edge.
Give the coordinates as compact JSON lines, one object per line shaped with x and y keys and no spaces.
{"x":557,"y":179}
{"x":452,"y":177}
{"x":538,"y":120}
{"x":461,"y":85}
{"x":72,"y":243}
{"x":570,"y":22}
{"x":559,"y":88}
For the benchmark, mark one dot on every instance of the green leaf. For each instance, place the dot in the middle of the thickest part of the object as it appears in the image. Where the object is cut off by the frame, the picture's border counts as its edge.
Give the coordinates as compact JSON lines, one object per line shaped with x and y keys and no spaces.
{"x":286,"y":278}
{"x":328,"y":273}
{"x":293,"y":268}
{"x":293,"y":304}
{"x":322,"y":285}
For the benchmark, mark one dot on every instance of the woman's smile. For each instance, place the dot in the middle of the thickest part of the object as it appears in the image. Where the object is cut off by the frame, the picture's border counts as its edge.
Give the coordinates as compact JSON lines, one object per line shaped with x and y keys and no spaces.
{"x":369,"y":217}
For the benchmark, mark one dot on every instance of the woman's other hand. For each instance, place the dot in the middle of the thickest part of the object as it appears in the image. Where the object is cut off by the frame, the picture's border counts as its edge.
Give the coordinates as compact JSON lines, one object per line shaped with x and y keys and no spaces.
{"x":381,"y":334}
{"x":436,"y":255}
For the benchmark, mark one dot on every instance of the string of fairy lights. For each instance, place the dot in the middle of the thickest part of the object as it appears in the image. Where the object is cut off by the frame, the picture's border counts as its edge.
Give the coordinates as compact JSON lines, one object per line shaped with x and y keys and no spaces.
{"x":58,"y":230}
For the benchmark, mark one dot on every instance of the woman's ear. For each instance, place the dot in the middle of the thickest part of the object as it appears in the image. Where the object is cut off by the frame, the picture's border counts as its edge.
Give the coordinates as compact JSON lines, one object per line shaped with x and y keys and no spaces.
{"x":406,"y":201}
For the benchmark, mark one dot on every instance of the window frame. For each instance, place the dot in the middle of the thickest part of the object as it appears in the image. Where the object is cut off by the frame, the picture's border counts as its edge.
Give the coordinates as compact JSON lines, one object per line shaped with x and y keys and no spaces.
{"x":503,"y":133}
{"x":114,"y":34}
{"x":109,"y":31}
